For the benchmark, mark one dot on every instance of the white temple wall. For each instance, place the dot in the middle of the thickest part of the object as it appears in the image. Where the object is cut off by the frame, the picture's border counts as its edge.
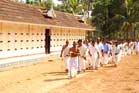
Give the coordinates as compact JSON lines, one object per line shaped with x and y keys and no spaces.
{"x":18,"y":40}
{"x":26,"y":39}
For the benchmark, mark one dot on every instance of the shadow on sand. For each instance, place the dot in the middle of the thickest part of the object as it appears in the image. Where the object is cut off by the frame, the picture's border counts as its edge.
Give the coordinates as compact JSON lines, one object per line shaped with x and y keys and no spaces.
{"x":109,"y":66}
{"x":136,"y":68}
{"x":54,"y":73}
{"x":55,"y":79}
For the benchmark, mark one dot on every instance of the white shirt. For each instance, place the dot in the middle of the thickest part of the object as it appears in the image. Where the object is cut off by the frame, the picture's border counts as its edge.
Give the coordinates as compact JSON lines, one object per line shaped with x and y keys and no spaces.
{"x":137,"y":45}
{"x":99,"y":47}
{"x":82,"y":50}
{"x":66,"y":51}
{"x":92,"y":50}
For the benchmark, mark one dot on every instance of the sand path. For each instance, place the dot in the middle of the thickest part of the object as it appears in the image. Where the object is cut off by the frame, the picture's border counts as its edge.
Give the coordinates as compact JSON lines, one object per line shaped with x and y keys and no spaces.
{"x":49,"y":77}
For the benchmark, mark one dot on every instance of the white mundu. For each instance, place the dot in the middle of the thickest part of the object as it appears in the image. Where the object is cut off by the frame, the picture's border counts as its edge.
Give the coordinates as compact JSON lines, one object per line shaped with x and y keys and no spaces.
{"x":110,"y":53}
{"x":137,"y":47}
{"x":117,"y":51}
{"x":66,"y":57}
{"x":73,"y":64}
{"x":131,"y":45}
{"x":88,"y":62}
{"x":99,"y":48}
{"x":82,"y":61}
{"x":94,"y":55}
{"x":120,"y":53}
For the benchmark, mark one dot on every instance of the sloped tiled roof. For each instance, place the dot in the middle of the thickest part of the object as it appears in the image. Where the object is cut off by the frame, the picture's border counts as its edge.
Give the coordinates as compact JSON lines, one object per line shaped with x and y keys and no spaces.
{"x":18,"y":12}
{"x":67,"y":20}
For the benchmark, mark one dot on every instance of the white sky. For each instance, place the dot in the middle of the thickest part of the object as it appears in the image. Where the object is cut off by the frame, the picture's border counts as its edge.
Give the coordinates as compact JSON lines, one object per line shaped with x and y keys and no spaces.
{"x":57,"y":2}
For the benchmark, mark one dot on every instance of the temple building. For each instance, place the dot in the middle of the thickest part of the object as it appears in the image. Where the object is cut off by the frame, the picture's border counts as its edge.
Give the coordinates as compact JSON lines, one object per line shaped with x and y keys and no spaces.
{"x":27,"y":30}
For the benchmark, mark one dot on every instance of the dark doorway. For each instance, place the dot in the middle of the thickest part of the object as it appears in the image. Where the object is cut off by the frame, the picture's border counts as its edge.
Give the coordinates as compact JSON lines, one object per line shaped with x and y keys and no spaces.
{"x":47,"y":41}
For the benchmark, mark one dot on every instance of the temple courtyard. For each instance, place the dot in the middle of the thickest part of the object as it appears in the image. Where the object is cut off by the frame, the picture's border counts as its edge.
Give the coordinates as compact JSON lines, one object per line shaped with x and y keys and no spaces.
{"x":48,"y":76}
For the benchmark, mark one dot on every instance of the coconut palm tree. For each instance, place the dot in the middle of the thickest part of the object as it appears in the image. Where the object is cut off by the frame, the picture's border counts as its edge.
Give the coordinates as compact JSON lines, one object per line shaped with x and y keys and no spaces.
{"x":131,"y":17}
{"x":109,"y":18}
{"x":100,"y":16}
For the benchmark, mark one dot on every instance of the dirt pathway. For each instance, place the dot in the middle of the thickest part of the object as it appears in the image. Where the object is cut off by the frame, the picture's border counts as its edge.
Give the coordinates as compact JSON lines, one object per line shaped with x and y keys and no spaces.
{"x":48,"y":77}
{"x":123,"y":79}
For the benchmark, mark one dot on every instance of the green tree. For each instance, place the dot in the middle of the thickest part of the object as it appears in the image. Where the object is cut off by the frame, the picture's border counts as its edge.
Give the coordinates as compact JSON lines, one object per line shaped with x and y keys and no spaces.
{"x":110,"y":19}
{"x":75,"y":6}
{"x":131,"y":17}
{"x":71,"y":6}
{"x":100,"y":16}
{"x":45,"y":4}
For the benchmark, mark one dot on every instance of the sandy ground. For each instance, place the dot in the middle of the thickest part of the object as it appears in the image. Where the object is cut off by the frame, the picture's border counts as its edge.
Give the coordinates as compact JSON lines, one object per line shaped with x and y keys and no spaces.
{"x":49,"y":77}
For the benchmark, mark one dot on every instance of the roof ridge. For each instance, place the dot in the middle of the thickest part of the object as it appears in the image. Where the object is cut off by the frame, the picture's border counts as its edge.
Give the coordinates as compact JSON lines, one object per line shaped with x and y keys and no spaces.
{"x":18,"y":12}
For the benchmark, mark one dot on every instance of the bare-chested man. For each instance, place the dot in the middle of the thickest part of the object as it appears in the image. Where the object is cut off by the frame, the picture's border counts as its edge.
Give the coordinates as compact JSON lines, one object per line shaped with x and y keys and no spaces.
{"x":73,"y":63}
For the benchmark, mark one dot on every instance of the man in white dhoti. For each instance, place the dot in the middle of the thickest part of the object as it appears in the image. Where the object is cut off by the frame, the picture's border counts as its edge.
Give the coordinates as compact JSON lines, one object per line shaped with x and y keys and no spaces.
{"x":82,"y":57}
{"x":137,"y":47}
{"x":110,"y":52}
{"x":93,"y":55}
{"x":73,"y":63}
{"x":99,"y":46}
{"x":120,"y":48}
{"x":65,"y":55}
{"x":105,"y":51}
{"x":131,"y":46}
{"x":87,"y":45}
{"x":125,"y":48}
{"x":116,"y":56}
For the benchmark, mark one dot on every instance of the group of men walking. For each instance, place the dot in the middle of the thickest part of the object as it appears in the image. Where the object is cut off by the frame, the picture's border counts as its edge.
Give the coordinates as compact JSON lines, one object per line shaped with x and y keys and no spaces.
{"x":91,"y":54}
